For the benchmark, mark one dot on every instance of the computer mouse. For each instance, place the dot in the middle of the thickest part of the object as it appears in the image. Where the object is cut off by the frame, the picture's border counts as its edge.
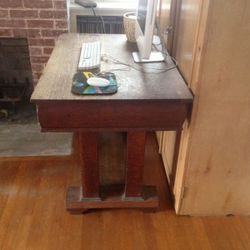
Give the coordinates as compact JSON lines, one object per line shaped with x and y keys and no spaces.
{"x":97,"y":82}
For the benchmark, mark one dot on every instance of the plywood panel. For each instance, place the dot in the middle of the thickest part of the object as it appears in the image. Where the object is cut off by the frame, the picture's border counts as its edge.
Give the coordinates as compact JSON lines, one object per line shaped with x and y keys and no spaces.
{"x":159,"y":137}
{"x":199,"y":52}
{"x":186,"y":35}
{"x":218,"y":174}
{"x":186,"y":16}
{"x":164,"y":18}
{"x":168,"y":151}
{"x":179,"y":187}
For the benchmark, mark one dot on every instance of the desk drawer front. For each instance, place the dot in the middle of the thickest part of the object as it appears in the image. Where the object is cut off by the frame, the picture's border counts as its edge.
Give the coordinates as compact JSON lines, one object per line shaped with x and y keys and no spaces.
{"x":111,"y":116}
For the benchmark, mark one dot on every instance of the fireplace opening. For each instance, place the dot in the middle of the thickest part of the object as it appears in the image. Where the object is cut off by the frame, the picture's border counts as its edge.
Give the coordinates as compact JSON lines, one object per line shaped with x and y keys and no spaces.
{"x":16,"y":83}
{"x":20,"y":134}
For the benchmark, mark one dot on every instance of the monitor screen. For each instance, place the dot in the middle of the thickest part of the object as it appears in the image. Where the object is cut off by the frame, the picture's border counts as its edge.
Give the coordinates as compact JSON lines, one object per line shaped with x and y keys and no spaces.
{"x":142,"y":14}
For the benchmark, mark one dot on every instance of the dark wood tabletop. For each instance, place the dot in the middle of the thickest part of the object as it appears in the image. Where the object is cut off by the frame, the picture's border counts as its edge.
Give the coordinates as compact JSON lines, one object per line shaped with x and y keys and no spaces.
{"x":147,"y":83}
{"x":147,"y":99}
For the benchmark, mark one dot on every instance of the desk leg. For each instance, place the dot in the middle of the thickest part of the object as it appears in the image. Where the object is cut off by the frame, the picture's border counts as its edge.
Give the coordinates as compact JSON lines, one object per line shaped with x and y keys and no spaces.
{"x":135,"y":164}
{"x":80,"y":199}
{"x":134,"y":188}
{"x":89,"y":164}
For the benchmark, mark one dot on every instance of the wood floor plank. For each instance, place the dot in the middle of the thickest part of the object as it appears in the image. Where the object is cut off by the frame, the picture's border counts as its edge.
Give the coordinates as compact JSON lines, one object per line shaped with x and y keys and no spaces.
{"x":33,"y":215}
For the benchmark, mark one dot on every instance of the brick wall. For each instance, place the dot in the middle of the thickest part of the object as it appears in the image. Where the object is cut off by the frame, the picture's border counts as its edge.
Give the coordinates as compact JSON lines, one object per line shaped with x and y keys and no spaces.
{"x":40,"y":21}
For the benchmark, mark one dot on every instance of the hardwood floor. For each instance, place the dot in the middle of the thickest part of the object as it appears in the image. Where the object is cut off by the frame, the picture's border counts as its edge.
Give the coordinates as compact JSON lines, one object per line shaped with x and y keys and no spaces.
{"x":33,"y":215}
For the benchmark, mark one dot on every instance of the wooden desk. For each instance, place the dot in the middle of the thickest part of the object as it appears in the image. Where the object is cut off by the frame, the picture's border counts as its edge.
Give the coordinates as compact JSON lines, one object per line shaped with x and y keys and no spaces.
{"x":144,"y":101}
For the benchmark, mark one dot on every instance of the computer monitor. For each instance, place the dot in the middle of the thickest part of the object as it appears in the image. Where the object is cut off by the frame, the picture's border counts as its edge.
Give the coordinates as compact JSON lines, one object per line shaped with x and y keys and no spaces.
{"x":144,"y":32}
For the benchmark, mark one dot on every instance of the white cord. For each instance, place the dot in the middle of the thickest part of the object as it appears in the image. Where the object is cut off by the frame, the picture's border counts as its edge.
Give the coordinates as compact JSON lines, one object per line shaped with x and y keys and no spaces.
{"x":150,"y":70}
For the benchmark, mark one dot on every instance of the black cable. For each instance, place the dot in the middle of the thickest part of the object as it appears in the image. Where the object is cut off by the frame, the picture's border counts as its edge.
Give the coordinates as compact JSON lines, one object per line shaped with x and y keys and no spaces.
{"x":166,"y":54}
{"x":163,"y":48}
{"x":101,"y":18}
{"x":97,"y":26}
{"x":103,"y":25}
{"x":93,"y":11}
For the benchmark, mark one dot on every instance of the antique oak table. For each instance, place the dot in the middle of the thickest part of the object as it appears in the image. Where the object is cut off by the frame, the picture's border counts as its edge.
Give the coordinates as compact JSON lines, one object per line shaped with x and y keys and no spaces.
{"x":148,"y":99}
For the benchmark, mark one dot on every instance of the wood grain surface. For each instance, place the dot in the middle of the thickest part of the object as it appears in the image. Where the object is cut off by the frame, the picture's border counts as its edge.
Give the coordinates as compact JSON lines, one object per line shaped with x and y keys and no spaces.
{"x":145,"y":101}
{"x":33,"y":216}
{"x":186,"y":39}
{"x":135,"y":163}
{"x":111,"y":115}
{"x":55,"y":83}
{"x":213,"y":50}
{"x":88,"y":143}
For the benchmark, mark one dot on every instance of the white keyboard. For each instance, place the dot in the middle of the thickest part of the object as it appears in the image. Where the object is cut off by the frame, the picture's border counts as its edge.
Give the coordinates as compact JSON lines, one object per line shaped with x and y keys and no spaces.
{"x":90,"y":57}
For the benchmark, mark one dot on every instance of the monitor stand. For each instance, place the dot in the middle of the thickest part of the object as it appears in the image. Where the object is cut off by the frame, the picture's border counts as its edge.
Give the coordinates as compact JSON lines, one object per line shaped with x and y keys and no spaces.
{"x":154,"y":57}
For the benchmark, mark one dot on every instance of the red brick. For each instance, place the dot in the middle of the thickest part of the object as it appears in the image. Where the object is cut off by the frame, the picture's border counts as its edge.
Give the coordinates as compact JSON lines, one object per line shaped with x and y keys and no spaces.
{"x":35,"y":81}
{"x":37,"y":67}
{"x":58,"y":14}
{"x":39,"y":59}
{"x":18,"y":23}
{"x":37,"y":75}
{"x":53,"y":33}
{"x":40,"y":23}
{"x":24,"y":13}
{"x":47,"y":51}
{"x":61,"y":24}
{"x":60,"y":4}
{"x":20,"y":32}
{"x":41,"y":42}
{"x":27,"y":32}
{"x":5,"y":33}
{"x":34,"y":32}
{"x":11,"y":3}
{"x":4,"y":13}
{"x":34,"y":51}
{"x":37,"y":4}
